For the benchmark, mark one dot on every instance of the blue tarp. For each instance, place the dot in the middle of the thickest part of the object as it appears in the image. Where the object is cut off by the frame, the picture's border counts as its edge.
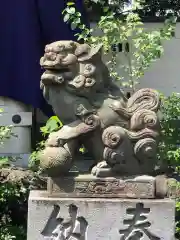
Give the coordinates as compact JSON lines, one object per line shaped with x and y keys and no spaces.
{"x":26,"y":26}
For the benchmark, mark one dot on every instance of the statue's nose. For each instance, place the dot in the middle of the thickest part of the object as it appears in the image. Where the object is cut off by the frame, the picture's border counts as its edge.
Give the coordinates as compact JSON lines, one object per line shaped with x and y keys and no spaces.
{"x":51,"y":56}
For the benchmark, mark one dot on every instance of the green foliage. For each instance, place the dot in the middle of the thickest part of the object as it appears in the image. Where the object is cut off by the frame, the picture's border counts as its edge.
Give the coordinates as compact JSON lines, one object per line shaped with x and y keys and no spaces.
{"x":74,"y":17}
{"x":145,"y":46}
{"x":175,"y":190}
{"x":13,"y":211}
{"x":7,"y":194}
{"x":34,"y":159}
{"x":152,"y":9}
{"x":52,"y":125}
{"x":15,"y":185}
{"x":5,"y":134}
{"x":169,"y":148}
{"x":4,"y":161}
{"x":178,"y":218}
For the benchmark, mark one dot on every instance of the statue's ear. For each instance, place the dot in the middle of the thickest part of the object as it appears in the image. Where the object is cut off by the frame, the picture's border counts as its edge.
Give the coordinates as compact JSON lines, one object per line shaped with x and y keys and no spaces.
{"x":95,"y":50}
{"x":89,"y":54}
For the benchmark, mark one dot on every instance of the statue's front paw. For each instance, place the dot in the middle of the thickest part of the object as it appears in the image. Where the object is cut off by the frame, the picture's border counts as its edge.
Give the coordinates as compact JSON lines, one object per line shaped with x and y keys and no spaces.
{"x":96,"y":171}
{"x":102,"y":164}
{"x":102,"y":169}
{"x":52,"y":140}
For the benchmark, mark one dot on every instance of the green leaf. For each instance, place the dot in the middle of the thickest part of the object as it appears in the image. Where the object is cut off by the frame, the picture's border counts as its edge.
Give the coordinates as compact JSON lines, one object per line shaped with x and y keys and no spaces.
{"x":73,"y":26}
{"x":66,"y":17}
{"x":4,"y":161}
{"x":57,"y":120}
{"x":70,"y":3}
{"x":71,"y":10}
{"x":105,"y":9}
{"x":82,"y":149}
{"x":53,"y":124}
{"x":44,"y":130}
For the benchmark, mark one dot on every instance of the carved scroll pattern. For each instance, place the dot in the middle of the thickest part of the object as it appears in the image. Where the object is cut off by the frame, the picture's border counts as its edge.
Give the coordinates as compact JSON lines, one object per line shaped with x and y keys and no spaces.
{"x":128,"y":188}
{"x":144,"y":99}
{"x":142,"y":131}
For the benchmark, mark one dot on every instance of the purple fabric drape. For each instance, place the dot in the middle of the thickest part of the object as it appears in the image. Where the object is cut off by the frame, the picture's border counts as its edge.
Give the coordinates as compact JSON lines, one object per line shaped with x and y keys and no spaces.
{"x":26,"y":26}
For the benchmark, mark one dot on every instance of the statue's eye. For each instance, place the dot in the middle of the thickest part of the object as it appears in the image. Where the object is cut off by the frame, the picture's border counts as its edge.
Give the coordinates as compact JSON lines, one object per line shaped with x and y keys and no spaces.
{"x":61,"y":48}
{"x":88,"y":67}
{"x":78,"y":79}
{"x":89,"y":70}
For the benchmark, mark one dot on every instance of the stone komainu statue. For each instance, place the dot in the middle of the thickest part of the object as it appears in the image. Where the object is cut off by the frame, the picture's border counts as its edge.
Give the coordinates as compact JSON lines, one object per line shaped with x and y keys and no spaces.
{"x":120,"y":134}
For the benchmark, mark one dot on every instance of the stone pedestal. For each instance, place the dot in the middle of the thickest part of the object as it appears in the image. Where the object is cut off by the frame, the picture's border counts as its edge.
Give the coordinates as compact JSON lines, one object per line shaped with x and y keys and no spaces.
{"x":55,"y":218}
{"x":112,"y":187}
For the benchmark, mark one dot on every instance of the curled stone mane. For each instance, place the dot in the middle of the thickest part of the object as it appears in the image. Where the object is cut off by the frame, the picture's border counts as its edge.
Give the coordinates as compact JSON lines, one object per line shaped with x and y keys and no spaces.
{"x":121,"y":134}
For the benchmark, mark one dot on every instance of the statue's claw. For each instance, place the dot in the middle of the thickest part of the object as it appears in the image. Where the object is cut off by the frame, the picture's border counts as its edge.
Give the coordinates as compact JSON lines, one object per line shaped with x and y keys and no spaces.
{"x":102,"y":164}
{"x":102,"y":169}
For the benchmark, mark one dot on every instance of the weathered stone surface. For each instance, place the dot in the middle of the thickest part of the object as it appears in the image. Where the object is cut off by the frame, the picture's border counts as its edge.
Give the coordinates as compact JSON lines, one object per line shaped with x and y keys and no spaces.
{"x":99,"y":219}
{"x":112,"y":187}
{"x":121,"y":134}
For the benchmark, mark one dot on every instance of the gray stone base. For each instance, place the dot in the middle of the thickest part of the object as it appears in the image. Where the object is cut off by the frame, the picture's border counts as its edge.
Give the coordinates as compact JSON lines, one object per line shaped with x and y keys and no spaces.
{"x":99,"y":218}
{"x":86,"y":185}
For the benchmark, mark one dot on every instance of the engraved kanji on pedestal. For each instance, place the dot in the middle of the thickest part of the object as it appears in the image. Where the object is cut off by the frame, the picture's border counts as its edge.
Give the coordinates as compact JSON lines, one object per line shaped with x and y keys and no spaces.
{"x":138,"y":224}
{"x":73,"y":227}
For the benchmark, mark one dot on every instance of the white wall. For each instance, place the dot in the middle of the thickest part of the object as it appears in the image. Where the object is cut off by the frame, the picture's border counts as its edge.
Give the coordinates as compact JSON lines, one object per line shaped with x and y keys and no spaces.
{"x":19,"y":146}
{"x":164,"y":74}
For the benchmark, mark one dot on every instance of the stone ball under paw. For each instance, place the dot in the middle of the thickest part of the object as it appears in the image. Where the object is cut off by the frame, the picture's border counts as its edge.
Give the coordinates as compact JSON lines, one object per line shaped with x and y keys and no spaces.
{"x":55,"y":161}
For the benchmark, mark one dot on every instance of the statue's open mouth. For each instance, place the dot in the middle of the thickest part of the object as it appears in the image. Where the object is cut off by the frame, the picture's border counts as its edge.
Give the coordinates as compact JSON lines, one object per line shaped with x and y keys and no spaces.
{"x":56,"y":76}
{"x":58,"y":70}
{"x":63,"y":70}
